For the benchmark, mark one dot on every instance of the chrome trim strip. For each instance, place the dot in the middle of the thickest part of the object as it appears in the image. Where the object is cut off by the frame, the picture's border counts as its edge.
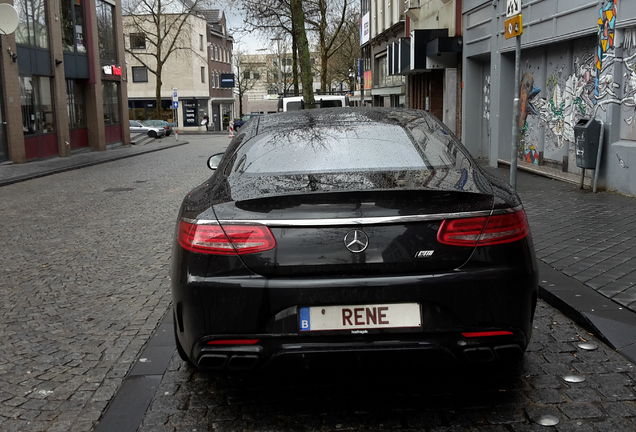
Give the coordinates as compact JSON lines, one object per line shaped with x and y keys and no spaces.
{"x":357,"y":221}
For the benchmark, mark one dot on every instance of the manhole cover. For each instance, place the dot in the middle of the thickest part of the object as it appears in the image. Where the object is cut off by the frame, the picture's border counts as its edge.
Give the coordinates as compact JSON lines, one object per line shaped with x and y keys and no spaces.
{"x":121,"y":189}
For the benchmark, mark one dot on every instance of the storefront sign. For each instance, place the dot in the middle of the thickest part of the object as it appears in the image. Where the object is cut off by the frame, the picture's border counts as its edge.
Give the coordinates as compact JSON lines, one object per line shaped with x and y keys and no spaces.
{"x":190,"y":112}
{"x":108,"y":70}
{"x":227,"y":80}
{"x":365,"y":29}
{"x":116,"y":70}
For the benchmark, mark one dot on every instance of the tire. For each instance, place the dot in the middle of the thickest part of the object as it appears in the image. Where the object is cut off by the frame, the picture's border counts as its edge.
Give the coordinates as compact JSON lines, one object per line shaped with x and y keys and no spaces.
{"x":152,"y":134}
{"x":180,"y":349}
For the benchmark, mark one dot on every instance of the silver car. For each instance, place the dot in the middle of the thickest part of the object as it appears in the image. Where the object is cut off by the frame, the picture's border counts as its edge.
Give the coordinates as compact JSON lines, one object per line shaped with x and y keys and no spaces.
{"x":151,"y":131}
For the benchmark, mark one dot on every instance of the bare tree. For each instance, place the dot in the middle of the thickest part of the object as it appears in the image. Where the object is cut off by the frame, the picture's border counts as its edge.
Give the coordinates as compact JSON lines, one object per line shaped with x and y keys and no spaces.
{"x":325,"y":19}
{"x":272,"y":18}
{"x":166,"y":27}
{"x":328,"y":22}
{"x":341,"y":63}
{"x":244,"y":78}
{"x":298,"y":17}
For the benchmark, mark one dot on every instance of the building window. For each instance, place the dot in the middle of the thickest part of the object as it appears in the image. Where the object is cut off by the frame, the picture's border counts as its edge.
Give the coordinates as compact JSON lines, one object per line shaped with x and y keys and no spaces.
{"x":246,"y":75}
{"x":202,"y":74}
{"x":32,"y":29}
{"x":37,"y":105}
{"x":140,"y":74}
{"x":138,"y":41}
{"x":200,"y":42}
{"x":75,"y":105}
{"x":110,"y":94}
{"x":72,"y":26}
{"x":256,"y":75}
{"x":106,"y":33}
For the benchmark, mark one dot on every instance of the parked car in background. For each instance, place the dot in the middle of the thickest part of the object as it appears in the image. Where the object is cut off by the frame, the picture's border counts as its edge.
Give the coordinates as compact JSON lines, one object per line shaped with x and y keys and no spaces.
{"x":344,"y":232}
{"x":241,"y":121}
{"x":153,"y":131}
{"x":167,"y":127}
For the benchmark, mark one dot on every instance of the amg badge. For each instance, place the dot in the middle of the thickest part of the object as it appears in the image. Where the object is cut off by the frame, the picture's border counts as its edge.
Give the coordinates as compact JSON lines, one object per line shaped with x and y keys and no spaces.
{"x":424,"y":254}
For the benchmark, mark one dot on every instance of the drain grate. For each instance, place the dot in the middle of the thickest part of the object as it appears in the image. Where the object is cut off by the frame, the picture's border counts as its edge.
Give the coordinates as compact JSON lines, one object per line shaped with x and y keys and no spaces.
{"x":121,"y":189}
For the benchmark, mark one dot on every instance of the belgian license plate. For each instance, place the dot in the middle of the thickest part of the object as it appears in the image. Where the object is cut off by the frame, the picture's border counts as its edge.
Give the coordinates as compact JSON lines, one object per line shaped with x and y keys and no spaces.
{"x":360,"y":317}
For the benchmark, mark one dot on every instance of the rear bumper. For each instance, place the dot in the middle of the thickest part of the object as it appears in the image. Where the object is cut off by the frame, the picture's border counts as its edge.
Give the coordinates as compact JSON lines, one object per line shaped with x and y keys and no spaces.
{"x":253,"y":307}
{"x":431,"y":349}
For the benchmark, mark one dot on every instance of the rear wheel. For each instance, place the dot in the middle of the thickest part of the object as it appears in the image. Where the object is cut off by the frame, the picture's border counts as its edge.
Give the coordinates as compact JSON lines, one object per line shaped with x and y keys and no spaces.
{"x":180,"y":349}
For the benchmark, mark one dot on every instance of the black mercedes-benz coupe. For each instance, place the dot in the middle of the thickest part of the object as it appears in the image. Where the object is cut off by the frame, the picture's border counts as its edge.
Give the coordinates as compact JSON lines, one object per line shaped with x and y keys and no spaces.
{"x":338,"y":231}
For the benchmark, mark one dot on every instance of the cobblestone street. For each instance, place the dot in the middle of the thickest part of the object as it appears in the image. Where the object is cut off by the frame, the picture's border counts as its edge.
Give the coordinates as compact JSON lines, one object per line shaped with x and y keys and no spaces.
{"x":84,"y":281}
{"x":450,"y":400}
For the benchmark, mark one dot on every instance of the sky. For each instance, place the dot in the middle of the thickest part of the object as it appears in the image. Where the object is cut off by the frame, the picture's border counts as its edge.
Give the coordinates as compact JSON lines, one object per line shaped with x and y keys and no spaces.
{"x":248,"y":42}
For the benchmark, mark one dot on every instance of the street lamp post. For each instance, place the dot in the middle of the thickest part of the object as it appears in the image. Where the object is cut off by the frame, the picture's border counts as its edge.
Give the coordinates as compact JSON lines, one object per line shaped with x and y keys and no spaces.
{"x":281,"y":85}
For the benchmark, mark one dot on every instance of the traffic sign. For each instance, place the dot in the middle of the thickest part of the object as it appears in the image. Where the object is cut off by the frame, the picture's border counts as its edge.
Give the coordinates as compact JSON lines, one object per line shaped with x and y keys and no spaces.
{"x":513,"y":27}
{"x":513,"y":7}
{"x":175,"y":95}
{"x":175,"y":104}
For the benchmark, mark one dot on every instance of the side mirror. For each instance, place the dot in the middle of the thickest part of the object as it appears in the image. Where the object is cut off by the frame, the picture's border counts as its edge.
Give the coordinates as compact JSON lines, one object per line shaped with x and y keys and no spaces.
{"x":214,"y":160}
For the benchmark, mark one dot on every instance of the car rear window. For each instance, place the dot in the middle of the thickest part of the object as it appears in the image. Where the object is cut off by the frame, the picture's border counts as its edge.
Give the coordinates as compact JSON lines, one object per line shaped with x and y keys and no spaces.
{"x":294,"y":106}
{"x":341,"y":148}
{"x":330,"y":103}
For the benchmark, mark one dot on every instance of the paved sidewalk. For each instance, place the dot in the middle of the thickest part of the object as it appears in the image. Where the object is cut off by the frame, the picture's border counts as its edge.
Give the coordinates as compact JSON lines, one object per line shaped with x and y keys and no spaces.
{"x":586,"y":247}
{"x":13,"y":173}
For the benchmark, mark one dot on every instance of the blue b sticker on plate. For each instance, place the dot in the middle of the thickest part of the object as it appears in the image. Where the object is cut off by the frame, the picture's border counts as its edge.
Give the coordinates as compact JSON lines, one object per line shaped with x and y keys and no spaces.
{"x":304,"y":319}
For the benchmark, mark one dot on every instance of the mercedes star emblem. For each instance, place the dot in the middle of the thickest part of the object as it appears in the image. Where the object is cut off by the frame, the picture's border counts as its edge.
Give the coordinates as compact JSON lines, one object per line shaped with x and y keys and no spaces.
{"x":356,"y":241}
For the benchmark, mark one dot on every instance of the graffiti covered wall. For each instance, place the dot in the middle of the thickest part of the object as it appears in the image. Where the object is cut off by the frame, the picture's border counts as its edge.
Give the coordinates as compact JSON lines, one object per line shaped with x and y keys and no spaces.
{"x":565,"y":82}
{"x":557,"y":90}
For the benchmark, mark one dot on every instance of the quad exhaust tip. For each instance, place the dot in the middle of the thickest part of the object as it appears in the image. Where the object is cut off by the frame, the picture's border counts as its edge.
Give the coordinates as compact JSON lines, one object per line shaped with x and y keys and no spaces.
{"x":224,"y":361}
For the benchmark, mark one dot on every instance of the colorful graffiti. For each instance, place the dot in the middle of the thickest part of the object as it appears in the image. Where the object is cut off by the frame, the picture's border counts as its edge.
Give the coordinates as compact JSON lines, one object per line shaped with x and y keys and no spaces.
{"x":606,"y":35}
{"x":486,"y":93}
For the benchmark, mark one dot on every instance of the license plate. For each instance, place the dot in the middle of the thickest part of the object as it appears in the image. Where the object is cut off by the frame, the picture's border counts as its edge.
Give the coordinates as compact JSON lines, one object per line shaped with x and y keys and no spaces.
{"x":360,"y":317}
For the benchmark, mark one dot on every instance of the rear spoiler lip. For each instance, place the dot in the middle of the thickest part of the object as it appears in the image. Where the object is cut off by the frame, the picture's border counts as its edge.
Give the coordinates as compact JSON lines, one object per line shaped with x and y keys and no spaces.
{"x":381,"y":220}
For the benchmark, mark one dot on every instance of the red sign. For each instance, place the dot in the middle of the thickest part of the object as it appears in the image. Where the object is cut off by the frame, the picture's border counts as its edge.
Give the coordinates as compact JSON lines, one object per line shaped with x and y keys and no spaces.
{"x":116,"y":70}
{"x":368,"y":80}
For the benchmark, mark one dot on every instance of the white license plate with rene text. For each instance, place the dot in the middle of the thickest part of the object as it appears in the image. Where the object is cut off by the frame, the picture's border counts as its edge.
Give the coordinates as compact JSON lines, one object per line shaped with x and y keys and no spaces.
{"x":359,"y":317}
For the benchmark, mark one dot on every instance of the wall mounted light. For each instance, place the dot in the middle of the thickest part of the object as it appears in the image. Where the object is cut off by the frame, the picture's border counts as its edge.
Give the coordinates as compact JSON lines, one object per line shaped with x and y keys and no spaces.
{"x":58,"y":62}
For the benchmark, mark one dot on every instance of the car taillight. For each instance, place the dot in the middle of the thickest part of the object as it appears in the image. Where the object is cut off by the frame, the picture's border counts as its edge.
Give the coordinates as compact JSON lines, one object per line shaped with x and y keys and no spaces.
{"x":484,"y":231}
{"x":226,"y":240}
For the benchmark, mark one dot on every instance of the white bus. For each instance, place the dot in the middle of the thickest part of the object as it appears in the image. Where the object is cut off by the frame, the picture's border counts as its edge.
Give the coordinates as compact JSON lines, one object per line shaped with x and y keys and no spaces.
{"x":295,"y":103}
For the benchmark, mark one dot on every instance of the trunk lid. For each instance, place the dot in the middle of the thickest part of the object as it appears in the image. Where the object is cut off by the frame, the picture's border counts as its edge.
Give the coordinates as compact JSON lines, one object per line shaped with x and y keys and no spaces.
{"x":313,"y":231}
